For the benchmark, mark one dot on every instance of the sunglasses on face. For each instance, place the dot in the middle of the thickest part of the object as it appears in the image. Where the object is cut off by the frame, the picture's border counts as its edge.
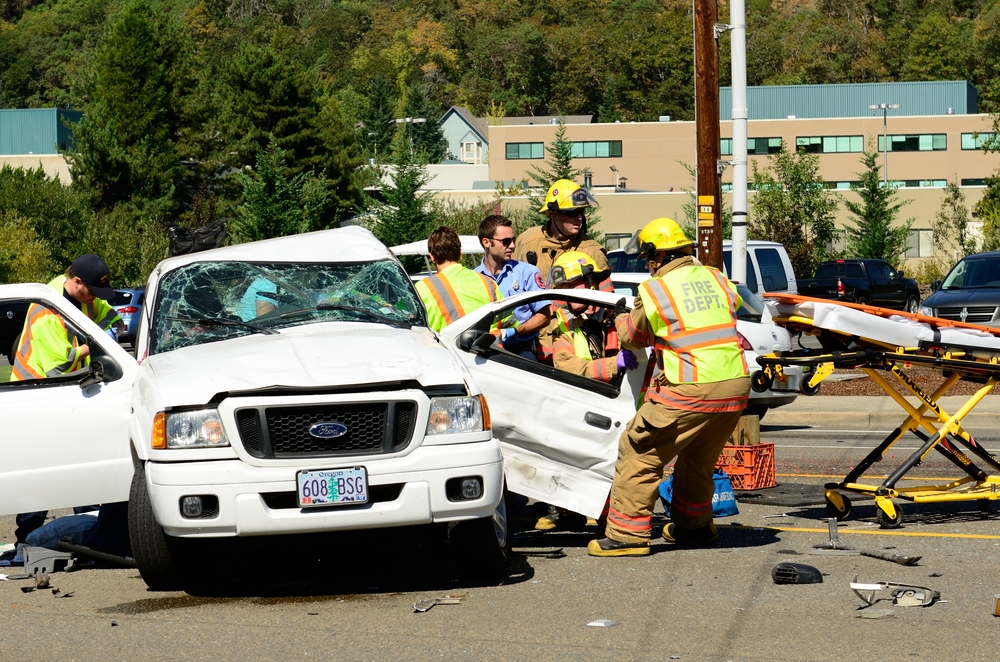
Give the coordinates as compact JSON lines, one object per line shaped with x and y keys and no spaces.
{"x":506,"y":242}
{"x":573,"y":213}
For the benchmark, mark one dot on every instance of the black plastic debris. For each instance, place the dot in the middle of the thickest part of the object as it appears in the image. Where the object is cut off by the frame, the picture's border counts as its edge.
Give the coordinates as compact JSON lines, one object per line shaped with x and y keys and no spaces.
{"x":796,"y":573}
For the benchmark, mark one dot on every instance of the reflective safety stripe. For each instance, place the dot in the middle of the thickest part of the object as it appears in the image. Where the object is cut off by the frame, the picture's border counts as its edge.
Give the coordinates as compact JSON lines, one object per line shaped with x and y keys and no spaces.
{"x":638,"y":524}
{"x":606,"y":285}
{"x":640,"y":337}
{"x":664,"y":304}
{"x":108,"y":319}
{"x":491,"y":288}
{"x":703,"y":337}
{"x":63,"y":368}
{"x":733,"y":301}
{"x":691,"y":509}
{"x":445,"y":298}
{"x":25,"y":361}
{"x":667,"y":397}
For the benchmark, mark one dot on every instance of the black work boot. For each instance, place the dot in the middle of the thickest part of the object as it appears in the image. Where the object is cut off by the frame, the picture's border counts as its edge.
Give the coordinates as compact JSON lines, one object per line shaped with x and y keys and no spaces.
{"x":705,"y":536}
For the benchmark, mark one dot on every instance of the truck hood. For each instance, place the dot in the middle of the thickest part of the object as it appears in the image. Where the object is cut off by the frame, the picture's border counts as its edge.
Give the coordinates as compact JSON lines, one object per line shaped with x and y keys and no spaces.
{"x":310,"y":356}
{"x":947,"y":298}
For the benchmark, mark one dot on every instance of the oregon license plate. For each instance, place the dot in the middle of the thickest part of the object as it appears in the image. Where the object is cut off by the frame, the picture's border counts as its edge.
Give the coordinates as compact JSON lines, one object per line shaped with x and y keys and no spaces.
{"x":332,"y":487}
{"x":781,"y":384}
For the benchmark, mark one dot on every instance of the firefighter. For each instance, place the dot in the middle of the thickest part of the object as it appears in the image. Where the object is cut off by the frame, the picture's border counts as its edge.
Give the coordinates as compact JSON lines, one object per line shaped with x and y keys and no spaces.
{"x":454,"y":290}
{"x":579,"y":341}
{"x":47,"y":347}
{"x":687,"y":312}
{"x":566,"y":205}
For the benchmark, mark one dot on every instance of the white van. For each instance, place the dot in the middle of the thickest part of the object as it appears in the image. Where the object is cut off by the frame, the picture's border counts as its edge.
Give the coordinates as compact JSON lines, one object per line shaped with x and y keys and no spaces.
{"x":768,"y":266}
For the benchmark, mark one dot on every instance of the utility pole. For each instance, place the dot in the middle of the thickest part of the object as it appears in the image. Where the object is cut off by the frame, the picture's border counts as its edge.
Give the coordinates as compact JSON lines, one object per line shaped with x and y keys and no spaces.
{"x":885,"y":108}
{"x":706,"y":92}
{"x":738,"y":45}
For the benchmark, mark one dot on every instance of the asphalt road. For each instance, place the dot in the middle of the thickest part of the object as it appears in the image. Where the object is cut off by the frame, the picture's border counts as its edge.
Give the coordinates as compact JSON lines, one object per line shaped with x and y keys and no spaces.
{"x":351,"y":596}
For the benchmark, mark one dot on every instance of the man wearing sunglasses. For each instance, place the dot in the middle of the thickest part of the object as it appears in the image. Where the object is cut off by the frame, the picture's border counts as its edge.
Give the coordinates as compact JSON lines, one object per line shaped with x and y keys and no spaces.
{"x":513,"y":277}
{"x":566,"y":205}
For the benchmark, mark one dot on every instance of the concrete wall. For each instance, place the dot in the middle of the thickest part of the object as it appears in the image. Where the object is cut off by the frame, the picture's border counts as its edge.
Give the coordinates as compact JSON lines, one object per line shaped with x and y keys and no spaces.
{"x":54,"y":165}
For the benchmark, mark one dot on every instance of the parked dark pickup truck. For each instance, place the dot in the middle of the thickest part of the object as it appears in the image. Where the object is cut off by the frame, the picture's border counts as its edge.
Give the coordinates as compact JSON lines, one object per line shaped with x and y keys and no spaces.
{"x":871,"y":282}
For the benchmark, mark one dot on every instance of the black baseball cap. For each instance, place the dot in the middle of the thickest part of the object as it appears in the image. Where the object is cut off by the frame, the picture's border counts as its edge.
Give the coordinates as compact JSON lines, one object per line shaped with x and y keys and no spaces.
{"x":94,"y":271}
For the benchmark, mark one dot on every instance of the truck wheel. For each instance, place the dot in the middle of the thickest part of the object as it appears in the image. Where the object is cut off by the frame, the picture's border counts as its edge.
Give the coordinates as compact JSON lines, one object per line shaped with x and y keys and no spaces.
{"x":862,"y":301}
{"x":151,"y":547}
{"x":482,"y":547}
{"x":912,"y":305}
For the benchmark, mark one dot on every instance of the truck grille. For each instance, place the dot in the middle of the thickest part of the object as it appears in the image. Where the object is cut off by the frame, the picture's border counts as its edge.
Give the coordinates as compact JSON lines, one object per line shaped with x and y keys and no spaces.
{"x":974,"y":314}
{"x":372,"y":427}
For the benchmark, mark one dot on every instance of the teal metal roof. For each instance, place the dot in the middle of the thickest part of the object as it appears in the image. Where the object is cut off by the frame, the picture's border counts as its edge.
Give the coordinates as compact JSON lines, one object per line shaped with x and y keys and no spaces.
{"x":852,"y":100}
{"x":36,"y":130}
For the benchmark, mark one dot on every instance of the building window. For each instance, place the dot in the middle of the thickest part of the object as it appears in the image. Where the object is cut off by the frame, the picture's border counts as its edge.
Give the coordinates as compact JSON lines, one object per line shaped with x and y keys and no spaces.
{"x":920,"y":243}
{"x":830,"y":144}
{"x":925,"y":142}
{"x":472,"y":152}
{"x":918,"y":183}
{"x":599,"y":149}
{"x":525,"y":151}
{"x":973,"y":182}
{"x":842,"y":185}
{"x":976,"y":140}
{"x":757,"y":146}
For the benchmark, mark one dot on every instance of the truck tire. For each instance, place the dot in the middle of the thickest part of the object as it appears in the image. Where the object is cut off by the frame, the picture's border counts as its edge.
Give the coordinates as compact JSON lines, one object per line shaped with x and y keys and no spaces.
{"x":482,"y":547}
{"x":153,"y":549}
{"x":912,"y":305}
{"x":861,"y":301}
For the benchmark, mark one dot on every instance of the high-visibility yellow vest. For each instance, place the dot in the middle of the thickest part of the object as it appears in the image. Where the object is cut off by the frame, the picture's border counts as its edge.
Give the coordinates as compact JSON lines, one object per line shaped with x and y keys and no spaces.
{"x":692,"y":311}
{"x":47,"y":347}
{"x":574,"y":327}
{"x":454,"y":292}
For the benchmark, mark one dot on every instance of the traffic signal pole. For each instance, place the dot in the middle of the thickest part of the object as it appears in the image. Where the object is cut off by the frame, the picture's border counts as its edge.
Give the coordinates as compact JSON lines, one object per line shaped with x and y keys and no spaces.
{"x":706,"y":90}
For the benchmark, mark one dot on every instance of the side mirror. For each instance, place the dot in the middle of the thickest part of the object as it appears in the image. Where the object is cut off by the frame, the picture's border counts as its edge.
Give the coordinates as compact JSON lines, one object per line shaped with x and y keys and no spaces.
{"x":467,"y":339}
{"x":96,"y":375}
{"x":935,"y":286}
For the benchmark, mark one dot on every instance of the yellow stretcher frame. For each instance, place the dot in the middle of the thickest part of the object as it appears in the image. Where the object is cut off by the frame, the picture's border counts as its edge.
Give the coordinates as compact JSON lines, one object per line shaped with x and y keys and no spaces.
{"x":936,"y":428}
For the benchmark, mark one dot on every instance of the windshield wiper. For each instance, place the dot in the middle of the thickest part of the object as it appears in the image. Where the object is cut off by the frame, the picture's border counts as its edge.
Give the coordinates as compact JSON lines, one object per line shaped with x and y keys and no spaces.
{"x":351,"y":309}
{"x":221,"y":321}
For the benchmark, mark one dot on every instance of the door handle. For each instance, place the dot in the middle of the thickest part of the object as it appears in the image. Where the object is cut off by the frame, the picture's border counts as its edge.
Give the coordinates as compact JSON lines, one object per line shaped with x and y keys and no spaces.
{"x":597,"y":420}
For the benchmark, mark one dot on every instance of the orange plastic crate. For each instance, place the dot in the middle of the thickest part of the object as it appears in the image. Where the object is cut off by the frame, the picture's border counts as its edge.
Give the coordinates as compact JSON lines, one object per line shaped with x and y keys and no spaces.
{"x":749,"y":467}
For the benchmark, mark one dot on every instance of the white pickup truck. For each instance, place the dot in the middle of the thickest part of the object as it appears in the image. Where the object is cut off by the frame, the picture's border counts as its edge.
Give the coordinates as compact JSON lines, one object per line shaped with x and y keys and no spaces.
{"x":332,"y":407}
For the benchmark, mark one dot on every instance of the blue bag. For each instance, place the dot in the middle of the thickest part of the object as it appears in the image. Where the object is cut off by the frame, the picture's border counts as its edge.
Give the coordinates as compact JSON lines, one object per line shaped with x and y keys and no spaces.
{"x":723,"y":501}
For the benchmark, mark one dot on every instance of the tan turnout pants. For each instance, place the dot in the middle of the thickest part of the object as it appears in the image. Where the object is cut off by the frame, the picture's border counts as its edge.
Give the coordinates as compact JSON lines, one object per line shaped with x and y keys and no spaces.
{"x":654,"y":437}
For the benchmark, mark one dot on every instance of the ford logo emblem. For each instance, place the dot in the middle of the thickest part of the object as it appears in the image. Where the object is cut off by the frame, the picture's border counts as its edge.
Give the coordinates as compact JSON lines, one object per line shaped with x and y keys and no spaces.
{"x":328,"y":430}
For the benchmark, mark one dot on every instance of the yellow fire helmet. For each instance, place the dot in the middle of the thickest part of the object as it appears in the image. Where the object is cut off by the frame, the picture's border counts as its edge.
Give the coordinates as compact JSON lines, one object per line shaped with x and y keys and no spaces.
{"x":565,"y":195}
{"x":570,"y":266}
{"x":662,"y":234}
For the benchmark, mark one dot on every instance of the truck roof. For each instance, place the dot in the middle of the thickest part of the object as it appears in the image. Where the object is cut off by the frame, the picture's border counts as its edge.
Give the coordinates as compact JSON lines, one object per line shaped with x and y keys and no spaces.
{"x":350,"y":244}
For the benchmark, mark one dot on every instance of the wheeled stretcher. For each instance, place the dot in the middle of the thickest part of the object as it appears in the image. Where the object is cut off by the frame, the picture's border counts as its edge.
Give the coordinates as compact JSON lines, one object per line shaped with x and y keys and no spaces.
{"x":881,"y":342}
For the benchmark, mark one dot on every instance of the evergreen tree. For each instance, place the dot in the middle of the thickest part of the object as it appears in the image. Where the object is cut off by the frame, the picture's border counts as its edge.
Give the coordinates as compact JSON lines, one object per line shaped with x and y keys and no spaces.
{"x":560,"y":166}
{"x":987,"y":210}
{"x":428,"y":139}
{"x":276,"y":203}
{"x":124,"y":147}
{"x":791,"y":206}
{"x":404,"y":214}
{"x":952,"y":226}
{"x":872,"y":235}
{"x":378,"y":118}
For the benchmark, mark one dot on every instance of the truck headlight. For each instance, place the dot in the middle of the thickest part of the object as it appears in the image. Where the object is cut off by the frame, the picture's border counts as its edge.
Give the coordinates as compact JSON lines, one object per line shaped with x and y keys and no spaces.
{"x":924,"y":310}
{"x":455,"y":415}
{"x":191,"y":429}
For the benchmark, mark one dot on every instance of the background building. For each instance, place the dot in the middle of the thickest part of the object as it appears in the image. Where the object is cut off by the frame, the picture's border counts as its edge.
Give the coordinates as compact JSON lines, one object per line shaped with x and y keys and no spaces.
{"x":33,"y":137}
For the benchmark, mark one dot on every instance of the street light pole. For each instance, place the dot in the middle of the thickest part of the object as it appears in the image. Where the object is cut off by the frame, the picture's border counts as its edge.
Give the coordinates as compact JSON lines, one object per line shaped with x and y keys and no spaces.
{"x":411,"y":121}
{"x":372,"y":133}
{"x":885,"y":108}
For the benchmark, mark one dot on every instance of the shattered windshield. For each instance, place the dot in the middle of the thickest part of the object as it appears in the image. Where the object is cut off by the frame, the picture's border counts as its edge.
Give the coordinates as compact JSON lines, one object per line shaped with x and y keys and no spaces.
{"x":211,"y":301}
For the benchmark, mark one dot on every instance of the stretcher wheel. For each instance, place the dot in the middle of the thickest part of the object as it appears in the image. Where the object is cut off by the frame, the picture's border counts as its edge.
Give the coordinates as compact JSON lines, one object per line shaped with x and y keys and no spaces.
{"x":887,"y":522}
{"x":833,"y":511}
{"x":806,"y":388}
{"x":761,"y":381}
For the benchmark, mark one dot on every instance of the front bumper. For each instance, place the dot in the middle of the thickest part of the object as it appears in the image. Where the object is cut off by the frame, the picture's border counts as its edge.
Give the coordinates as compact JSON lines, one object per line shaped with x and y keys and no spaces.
{"x":245,"y":492}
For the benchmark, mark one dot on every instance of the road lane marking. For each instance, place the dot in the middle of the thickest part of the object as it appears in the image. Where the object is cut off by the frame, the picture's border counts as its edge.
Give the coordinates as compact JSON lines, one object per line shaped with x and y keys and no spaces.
{"x":902,"y":448}
{"x":877,"y":532}
{"x":866,"y":477}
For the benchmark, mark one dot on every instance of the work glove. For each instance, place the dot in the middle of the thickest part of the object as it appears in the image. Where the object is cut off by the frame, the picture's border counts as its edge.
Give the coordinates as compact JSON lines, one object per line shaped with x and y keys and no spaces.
{"x":627,"y":360}
{"x":507,"y":334}
{"x":620,"y":308}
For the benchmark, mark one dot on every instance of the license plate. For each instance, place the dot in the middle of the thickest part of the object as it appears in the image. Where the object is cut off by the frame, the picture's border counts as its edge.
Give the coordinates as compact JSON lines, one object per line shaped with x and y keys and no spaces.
{"x":781,"y":383}
{"x":332,"y":487}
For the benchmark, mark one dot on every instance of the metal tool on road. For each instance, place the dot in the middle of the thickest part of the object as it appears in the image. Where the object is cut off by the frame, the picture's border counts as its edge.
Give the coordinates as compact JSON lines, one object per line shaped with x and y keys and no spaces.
{"x":834,"y":545}
{"x":904,"y":595}
{"x":425,"y":605}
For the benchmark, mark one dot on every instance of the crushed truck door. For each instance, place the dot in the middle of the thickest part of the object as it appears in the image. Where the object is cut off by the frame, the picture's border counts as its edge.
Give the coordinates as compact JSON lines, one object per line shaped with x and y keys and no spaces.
{"x":65,"y":439}
{"x":559,"y":432}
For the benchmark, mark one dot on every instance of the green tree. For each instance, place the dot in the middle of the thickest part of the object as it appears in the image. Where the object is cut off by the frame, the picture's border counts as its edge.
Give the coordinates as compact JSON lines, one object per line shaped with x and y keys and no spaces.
{"x":378,"y":115}
{"x":873,"y":234}
{"x":987,"y":210}
{"x":791,"y":205}
{"x":131,"y":240}
{"x":952,"y":225}
{"x":124,"y":147}
{"x":428,"y":139}
{"x":559,"y":166}
{"x":277,"y":204}
{"x":24,"y":257}
{"x":404,"y":214}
